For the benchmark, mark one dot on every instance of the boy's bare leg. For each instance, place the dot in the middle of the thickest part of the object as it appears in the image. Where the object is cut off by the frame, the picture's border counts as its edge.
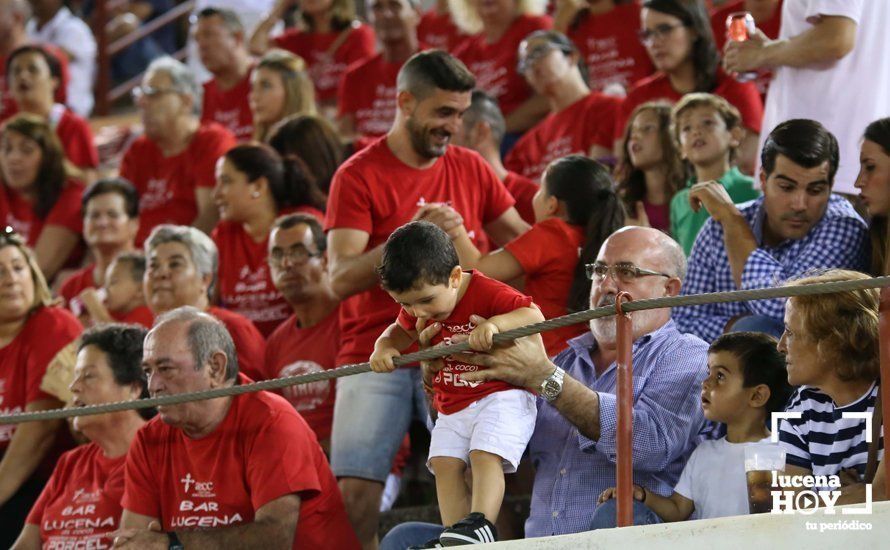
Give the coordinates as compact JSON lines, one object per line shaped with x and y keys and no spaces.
{"x":451,"y":489}
{"x":488,"y":484}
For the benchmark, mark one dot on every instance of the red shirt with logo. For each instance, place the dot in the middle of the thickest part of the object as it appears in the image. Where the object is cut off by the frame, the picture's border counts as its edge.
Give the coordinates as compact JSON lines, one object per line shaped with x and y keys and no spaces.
{"x":292,"y":351}
{"x":368,"y":94}
{"x":609,"y":45}
{"x":245,"y":282}
{"x":437,"y":30}
{"x":18,"y":212}
{"x":81,"y":503}
{"x":743,"y":95}
{"x":23,"y":363}
{"x":548,"y":254}
{"x":263,"y":450}
{"x":249,"y":343}
{"x":375,"y":192}
{"x":494,"y":64}
{"x":485,"y":297}
{"x":574,"y":130}
{"x":167,"y":185}
{"x":229,"y":108}
{"x":523,"y":191}
{"x":326,"y":68}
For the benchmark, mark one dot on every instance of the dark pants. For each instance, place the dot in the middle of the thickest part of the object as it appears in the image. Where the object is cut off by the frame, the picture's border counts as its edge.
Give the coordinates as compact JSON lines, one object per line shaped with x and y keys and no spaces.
{"x":16,"y":509}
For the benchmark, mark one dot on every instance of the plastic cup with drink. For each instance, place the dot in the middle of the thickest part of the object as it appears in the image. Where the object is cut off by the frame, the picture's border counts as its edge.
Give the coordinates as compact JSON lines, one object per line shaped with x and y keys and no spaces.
{"x":739,"y":27}
{"x":761,"y":460}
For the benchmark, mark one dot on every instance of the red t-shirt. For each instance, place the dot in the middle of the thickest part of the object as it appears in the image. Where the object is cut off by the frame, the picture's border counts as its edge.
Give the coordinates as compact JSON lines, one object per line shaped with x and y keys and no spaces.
{"x":292,"y":351}
{"x":81,"y":503}
{"x":494,"y":64}
{"x":375,"y":192}
{"x":263,"y":450}
{"x":574,"y":130}
{"x":548,"y":254}
{"x":485,"y":297}
{"x":167,"y":185}
{"x":609,"y":45}
{"x":229,"y":108}
{"x":245,"y":283}
{"x":18,"y":212}
{"x":368,"y":93}
{"x":140,"y":315}
{"x":659,"y":215}
{"x":523,"y":191}
{"x":743,"y":95}
{"x":77,"y":282}
{"x":249,"y":343}
{"x":325,"y":69}
{"x":437,"y":30}
{"x":23,"y":362}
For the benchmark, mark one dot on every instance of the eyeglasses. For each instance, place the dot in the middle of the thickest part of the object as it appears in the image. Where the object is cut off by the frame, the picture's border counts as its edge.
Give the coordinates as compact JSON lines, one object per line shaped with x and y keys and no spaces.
{"x":621,"y":272}
{"x":661,"y":32}
{"x":297,"y":255}
{"x":536,"y":53}
{"x":150,"y":92}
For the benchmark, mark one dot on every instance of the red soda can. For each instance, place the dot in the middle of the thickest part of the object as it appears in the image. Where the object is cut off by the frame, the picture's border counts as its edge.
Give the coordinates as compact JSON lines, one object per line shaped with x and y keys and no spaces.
{"x":740,"y":26}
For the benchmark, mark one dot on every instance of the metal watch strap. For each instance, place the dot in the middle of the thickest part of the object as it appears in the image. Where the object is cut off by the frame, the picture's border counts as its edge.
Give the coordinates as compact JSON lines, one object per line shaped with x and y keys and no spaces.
{"x":557,"y":376}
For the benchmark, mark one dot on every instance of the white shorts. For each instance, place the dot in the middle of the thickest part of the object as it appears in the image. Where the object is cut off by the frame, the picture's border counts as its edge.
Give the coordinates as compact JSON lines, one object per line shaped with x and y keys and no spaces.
{"x":500,"y":423}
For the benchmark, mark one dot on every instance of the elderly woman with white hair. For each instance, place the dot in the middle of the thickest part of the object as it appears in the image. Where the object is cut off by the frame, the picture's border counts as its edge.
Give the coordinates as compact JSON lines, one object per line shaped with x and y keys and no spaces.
{"x":496,"y":28}
{"x":173,"y":164}
{"x":181,"y":271}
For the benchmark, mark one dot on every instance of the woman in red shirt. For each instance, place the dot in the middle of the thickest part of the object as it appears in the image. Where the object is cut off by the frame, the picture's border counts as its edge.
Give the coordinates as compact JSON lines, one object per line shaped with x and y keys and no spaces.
{"x":495,"y":29}
{"x":81,"y":503}
{"x":575,"y":211}
{"x":32,"y":332}
{"x":279,"y":87}
{"x":328,"y":36}
{"x":253,"y":186}
{"x":678,"y":38}
{"x":655,"y":171}
{"x":36,"y":197}
{"x":34,"y":76}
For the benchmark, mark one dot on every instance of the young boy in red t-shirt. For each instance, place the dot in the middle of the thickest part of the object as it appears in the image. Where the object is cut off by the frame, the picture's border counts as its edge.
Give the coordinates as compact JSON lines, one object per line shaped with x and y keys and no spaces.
{"x":421,"y":271}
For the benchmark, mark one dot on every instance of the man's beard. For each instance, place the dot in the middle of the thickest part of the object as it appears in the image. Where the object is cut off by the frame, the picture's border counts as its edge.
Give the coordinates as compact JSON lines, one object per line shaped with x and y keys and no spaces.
{"x":605,"y":329}
{"x":420,"y":141}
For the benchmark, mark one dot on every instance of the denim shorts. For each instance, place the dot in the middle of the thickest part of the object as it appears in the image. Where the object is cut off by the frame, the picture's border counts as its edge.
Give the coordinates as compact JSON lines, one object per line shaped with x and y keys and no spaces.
{"x":372,"y":413}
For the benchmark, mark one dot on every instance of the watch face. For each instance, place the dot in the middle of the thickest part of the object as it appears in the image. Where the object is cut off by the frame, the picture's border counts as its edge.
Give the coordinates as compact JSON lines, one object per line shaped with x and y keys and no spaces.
{"x":551,"y":387}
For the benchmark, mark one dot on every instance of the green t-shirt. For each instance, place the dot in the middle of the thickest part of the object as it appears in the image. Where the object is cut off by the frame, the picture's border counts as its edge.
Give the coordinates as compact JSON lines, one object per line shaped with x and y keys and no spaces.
{"x":685,"y":223}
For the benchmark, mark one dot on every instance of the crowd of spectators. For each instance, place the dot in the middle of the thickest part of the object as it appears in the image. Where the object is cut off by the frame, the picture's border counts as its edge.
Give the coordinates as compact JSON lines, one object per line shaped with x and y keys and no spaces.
{"x":348,"y":180}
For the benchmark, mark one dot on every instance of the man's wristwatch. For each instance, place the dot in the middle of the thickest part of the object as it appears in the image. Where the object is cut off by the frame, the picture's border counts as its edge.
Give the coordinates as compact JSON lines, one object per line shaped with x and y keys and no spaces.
{"x":551,"y":387}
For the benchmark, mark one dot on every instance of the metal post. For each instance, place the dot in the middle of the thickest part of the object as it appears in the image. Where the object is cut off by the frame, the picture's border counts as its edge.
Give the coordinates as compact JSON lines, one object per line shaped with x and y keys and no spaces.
{"x":884,"y":345}
{"x":624,"y":460}
{"x":103,"y":60}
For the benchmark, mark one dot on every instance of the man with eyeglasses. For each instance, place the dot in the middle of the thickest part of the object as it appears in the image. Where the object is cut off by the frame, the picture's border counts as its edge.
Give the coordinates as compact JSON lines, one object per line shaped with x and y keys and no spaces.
{"x":173,"y":165}
{"x":573,"y":447}
{"x":308,"y":340}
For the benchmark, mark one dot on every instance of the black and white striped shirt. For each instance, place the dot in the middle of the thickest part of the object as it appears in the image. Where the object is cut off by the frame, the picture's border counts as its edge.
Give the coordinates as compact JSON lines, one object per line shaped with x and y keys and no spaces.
{"x":822,"y":440}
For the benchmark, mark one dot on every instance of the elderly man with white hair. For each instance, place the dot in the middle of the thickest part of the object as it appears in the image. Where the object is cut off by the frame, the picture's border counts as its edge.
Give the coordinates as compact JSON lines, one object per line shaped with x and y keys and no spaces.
{"x":574,"y":446}
{"x":173,"y":165}
{"x":242,"y":471}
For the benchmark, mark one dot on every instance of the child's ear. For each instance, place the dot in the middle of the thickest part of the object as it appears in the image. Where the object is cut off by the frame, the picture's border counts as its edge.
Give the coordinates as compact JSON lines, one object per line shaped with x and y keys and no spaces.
{"x":551,"y":204}
{"x":738,"y":134}
{"x":454,"y":278}
{"x":759,"y":396}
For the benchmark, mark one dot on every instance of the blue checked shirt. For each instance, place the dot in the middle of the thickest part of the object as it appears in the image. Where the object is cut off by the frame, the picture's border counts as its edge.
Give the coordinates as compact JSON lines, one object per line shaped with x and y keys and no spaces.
{"x":838,"y":240}
{"x":572,"y":470}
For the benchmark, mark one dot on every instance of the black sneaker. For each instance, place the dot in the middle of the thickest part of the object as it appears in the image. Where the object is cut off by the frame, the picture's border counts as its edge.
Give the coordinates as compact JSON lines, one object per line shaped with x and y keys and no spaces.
{"x":432,"y":543}
{"x":473,"y":529}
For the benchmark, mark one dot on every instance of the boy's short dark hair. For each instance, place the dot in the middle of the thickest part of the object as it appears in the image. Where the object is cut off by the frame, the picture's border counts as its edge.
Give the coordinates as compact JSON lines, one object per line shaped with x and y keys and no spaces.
{"x":761,"y":363}
{"x":415,"y":254}
{"x":135,"y":262}
{"x":805,"y":142}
